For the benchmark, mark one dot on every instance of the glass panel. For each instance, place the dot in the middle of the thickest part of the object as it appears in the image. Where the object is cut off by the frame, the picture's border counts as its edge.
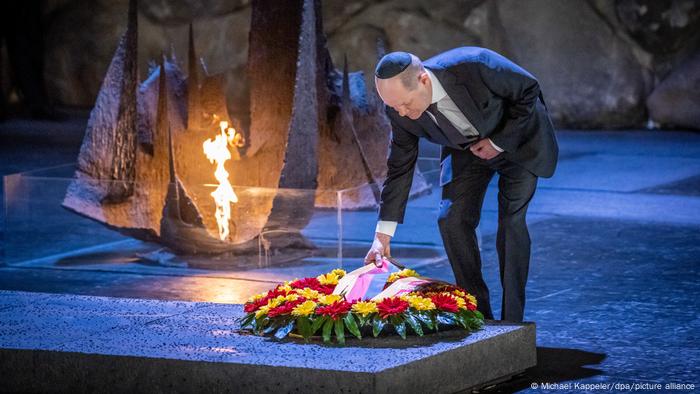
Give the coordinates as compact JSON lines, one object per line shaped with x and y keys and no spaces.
{"x":41,"y":232}
{"x":417,"y":241}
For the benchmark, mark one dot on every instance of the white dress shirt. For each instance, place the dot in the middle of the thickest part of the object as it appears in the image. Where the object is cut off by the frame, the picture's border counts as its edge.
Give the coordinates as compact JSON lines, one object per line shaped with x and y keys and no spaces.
{"x":448,"y":108}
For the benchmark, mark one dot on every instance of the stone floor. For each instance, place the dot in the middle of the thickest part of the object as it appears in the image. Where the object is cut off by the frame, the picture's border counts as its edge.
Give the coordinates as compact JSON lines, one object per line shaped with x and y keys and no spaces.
{"x":199,"y":347}
{"x":613,"y":282}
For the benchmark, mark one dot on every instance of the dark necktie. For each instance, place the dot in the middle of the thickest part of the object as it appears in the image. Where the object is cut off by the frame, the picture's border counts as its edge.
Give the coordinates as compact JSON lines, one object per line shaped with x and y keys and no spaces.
{"x":453,"y":135}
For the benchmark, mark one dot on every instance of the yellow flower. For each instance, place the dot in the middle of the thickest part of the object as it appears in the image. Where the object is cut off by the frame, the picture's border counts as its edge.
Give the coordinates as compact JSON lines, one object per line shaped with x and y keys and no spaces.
{"x":329,"y":299}
{"x":262,"y":311}
{"x":256,"y":297}
{"x":420,"y":303}
{"x":304,"y":309}
{"x":408,"y":272}
{"x":286,"y":287}
{"x":471,"y":299}
{"x":364,"y":308}
{"x":308,"y":293}
{"x":404,"y":273}
{"x":291,"y":297}
{"x":328,"y":279}
{"x":339,"y":272}
{"x":467,"y":297}
{"x":275,"y":302}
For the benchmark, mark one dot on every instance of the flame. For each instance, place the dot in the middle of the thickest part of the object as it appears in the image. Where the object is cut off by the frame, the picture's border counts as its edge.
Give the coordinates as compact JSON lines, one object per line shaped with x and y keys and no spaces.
{"x":217,"y":152}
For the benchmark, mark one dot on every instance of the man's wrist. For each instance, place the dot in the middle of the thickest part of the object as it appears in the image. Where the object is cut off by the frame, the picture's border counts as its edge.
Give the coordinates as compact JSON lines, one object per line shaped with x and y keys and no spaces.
{"x":383,"y":238}
{"x":496,"y":147}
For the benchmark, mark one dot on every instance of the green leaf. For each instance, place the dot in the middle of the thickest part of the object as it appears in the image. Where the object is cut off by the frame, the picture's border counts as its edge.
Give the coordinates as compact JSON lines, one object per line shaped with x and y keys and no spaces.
{"x":340,"y":331}
{"x":474,"y":323}
{"x":317,"y":323}
{"x":304,"y":327}
{"x":415,"y":324}
{"x":396,"y":319}
{"x":377,"y":326}
{"x":447,"y":319}
{"x":363,"y":319}
{"x":461,"y":319}
{"x":327,"y":327}
{"x":246,"y":321}
{"x":352,"y":325}
{"x":401,"y":329}
{"x":260,"y":324}
{"x":426,"y":319}
{"x":479,"y":315}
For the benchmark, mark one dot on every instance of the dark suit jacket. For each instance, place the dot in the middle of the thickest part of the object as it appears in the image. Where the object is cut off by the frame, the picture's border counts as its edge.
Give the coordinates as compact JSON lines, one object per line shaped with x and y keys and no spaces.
{"x":501,"y":100}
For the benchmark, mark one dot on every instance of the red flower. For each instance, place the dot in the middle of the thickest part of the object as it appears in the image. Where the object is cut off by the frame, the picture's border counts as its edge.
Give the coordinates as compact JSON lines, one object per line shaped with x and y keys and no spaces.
{"x":471,"y":306}
{"x":251,"y":307}
{"x":277,"y":291}
{"x":335,"y":310}
{"x":311,"y":283}
{"x":445,"y":303}
{"x":326,"y":289}
{"x":391,"y":306}
{"x":286,"y":308}
{"x":255,"y":305}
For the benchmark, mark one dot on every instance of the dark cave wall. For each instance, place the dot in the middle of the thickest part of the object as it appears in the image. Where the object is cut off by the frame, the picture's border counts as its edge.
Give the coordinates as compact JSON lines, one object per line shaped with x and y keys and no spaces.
{"x":601,"y":63}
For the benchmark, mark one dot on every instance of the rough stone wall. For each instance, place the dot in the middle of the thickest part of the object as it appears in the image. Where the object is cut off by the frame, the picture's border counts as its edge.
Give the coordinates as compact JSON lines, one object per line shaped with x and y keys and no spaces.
{"x":598,"y":61}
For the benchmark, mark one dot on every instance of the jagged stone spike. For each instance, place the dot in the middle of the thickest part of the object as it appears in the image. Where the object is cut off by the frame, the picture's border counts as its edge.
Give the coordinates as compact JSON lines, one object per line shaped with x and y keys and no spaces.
{"x":109,"y":148}
{"x":194,"y":109}
{"x":162,"y":116}
{"x":163,"y":125}
{"x":299,"y":172}
{"x":123,"y":160}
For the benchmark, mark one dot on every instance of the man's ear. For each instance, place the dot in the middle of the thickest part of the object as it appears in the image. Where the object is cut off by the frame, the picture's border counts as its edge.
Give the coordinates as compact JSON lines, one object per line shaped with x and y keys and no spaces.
{"x":423,"y":78}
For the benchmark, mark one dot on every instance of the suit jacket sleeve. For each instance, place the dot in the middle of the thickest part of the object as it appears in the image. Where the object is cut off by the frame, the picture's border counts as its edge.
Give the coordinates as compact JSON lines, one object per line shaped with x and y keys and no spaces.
{"x":519,"y":89}
{"x":400,"y":166}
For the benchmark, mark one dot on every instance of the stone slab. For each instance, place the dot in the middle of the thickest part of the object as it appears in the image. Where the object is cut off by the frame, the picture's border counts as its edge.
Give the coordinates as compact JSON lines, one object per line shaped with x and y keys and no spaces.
{"x":83,"y":343}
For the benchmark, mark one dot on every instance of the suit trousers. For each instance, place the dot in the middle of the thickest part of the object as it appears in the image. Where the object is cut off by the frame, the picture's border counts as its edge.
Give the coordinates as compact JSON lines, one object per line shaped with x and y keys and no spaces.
{"x":460,"y":211}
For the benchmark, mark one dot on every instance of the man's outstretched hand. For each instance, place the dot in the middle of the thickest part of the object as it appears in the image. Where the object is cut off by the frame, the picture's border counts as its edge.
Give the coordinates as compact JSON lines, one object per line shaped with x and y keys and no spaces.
{"x":483,"y":149}
{"x":380,"y":248}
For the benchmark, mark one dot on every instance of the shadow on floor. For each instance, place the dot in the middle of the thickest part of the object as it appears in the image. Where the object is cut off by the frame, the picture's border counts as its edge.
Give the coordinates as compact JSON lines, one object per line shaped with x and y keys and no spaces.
{"x":554,"y":365}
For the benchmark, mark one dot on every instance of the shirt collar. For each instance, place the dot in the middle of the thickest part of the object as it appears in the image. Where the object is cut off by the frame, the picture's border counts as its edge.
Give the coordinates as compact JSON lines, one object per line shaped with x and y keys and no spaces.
{"x":438,"y":91}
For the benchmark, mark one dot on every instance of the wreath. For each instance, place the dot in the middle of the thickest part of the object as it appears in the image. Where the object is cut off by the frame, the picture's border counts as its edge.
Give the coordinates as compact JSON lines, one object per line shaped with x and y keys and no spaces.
{"x":408,"y":303}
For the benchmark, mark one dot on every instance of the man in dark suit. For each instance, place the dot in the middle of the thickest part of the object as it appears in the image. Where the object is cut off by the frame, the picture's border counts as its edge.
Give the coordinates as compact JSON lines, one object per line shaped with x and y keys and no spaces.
{"x":489,"y":116}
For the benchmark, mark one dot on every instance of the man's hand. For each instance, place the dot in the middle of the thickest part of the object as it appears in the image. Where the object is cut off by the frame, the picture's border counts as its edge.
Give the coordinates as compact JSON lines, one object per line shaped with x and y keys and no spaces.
{"x":380,"y":248}
{"x":483,"y":149}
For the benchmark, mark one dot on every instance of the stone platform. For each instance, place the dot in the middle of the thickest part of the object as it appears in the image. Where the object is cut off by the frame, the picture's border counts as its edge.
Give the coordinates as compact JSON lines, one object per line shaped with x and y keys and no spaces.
{"x":68,"y":343}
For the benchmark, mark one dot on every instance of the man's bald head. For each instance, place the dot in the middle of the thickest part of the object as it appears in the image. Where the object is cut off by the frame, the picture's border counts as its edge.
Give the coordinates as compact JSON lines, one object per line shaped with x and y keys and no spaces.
{"x":403,"y":83}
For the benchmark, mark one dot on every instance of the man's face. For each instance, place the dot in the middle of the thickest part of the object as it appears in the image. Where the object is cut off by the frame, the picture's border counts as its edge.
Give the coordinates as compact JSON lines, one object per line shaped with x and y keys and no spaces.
{"x":409,"y":103}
